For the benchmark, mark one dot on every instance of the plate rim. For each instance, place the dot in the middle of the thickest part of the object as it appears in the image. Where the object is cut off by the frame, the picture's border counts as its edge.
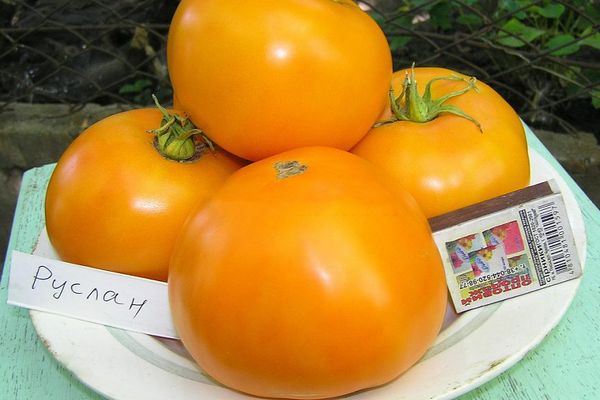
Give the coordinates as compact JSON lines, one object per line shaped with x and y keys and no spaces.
{"x":502,"y":366}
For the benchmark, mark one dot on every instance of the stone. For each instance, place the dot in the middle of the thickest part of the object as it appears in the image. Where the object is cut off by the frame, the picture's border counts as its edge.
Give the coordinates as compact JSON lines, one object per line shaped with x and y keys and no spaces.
{"x":32,"y":135}
{"x":580,"y":157}
{"x":578,"y":154}
{"x":36,"y":134}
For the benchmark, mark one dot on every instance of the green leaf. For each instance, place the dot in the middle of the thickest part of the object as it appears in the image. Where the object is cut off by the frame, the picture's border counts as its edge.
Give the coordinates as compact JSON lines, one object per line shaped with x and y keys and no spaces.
{"x":398,"y":42}
{"x":378,"y":17}
{"x":595,"y":98}
{"x":563,"y":40}
{"x":470,"y":20}
{"x":593,"y":11}
{"x":592,"y":41}
{"x":514,"y":26}
{"x":135,"y":87}
{"x":521,"y":34}
{"x":521,"y":15}
{"x":441,"y":15}
{"x":550,"y":11}
{"x":404,"y":21}
{"x":424,"y":5}
{"x":510,"y":6}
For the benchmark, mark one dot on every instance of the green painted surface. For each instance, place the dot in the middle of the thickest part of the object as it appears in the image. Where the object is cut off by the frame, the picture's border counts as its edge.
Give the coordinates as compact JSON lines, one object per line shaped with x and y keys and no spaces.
{"x":566,"y":365}
{"x":27,"y":369}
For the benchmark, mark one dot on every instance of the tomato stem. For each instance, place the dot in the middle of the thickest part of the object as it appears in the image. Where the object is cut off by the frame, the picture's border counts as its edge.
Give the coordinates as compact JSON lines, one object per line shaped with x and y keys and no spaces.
{"x":410,"y":106}
{"x":285,"y":169}
{"x":175,"y":136}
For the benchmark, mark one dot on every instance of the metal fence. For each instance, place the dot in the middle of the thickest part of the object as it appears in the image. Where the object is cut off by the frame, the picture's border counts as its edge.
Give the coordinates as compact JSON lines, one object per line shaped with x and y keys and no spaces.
{"x":77,"y":52}
{"x":543,"y":56}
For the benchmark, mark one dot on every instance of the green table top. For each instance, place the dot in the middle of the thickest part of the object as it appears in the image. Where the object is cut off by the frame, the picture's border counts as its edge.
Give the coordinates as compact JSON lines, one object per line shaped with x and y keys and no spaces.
{"x":566,"y":365}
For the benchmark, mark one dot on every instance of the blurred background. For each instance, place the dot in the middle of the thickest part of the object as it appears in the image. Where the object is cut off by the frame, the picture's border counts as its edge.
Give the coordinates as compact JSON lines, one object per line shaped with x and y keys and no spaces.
{"x":66,"y":64}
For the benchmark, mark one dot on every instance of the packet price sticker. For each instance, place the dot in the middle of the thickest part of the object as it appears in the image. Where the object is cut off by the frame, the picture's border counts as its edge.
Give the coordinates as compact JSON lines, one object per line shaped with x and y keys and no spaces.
{"x":513,"y":251}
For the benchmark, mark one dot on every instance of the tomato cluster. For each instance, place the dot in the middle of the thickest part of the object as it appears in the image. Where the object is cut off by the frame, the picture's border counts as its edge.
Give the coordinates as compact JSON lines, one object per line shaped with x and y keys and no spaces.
{"x":311,"y":272}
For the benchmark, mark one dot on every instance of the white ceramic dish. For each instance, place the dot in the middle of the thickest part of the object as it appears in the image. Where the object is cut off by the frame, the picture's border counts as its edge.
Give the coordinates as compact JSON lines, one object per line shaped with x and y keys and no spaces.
{"x":472,"y":349}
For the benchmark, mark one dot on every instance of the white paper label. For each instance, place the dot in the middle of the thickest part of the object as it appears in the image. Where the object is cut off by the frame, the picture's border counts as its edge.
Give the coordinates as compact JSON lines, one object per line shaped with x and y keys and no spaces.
{"x":90,"y":294}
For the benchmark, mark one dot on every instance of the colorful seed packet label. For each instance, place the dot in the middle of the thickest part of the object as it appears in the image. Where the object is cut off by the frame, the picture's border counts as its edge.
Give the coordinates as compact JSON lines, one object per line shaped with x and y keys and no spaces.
{"x":460,"y":249}
{"x":507,"y":253}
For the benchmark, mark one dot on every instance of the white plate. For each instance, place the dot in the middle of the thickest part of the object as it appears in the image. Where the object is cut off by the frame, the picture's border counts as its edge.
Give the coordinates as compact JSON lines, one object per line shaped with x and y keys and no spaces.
{"x":473,"y":348}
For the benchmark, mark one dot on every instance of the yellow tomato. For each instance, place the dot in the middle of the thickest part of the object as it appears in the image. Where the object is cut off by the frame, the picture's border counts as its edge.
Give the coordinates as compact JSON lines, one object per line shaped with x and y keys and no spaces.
{"x":449,"y":162}
{"x":261,"y":77}
{"x":304,"y":276}
{"x":114,"y":202}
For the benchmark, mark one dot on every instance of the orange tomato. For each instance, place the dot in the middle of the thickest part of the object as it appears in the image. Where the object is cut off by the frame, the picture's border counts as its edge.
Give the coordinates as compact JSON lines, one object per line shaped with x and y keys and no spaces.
{"x":448,"y":163}
{"x":114,"y":202}
{"x":176,"y":103}
{"x":261,"y":77}
{"x":304,"y":276}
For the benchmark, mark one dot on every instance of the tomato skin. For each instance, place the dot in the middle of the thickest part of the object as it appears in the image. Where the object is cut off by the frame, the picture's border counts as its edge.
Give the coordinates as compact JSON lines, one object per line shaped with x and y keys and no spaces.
{"x":309,"y":286}
{"x":113,"y":202}
{"x":176,"y":103}
{"x":261,"y":77}
{"x":448,"y":163}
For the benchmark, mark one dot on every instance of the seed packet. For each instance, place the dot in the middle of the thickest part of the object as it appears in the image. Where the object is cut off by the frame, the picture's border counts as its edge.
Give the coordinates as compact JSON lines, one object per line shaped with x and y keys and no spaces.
{"x":519,"y":244}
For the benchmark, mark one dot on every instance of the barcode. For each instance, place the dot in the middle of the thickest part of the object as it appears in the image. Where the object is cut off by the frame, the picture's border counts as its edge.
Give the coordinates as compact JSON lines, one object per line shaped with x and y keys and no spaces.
{"x":554,"y":238}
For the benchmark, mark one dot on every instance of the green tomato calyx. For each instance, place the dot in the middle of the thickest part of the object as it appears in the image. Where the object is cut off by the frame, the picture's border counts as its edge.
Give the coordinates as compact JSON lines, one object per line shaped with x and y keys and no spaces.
{"x":410,"y":106}
{"x":175,"y":136}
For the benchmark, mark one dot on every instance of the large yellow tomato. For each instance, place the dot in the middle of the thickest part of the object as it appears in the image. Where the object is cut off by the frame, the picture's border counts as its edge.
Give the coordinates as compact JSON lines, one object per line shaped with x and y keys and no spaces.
{"x":304,"y":276}
{"x":114,"y":202}
{"x":449,"y":161}
{"x":261,"y":77}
